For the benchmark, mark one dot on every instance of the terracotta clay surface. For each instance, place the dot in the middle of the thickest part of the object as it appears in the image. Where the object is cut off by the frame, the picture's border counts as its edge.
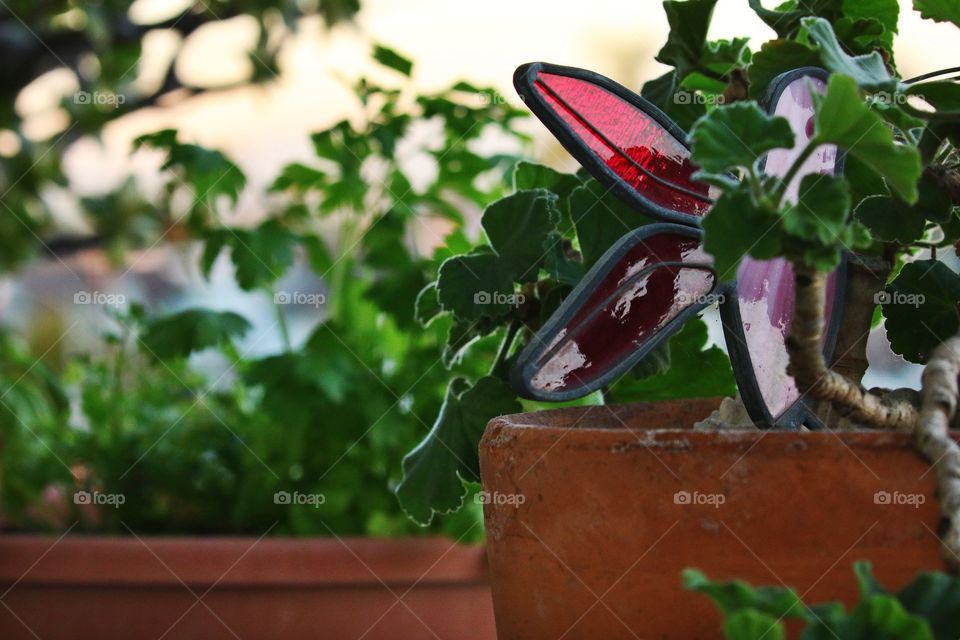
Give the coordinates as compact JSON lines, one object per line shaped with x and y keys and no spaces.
{"x":81,"y":588}
{"x":617,"y":501}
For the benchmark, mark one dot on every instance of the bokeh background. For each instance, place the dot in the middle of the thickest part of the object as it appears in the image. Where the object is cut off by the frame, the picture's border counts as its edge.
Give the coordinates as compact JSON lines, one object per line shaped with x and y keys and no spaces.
{"x":256,"y":95}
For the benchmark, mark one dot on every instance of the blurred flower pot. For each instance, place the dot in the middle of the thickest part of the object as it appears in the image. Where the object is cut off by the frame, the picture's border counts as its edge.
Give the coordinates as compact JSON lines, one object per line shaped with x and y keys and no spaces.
{"x":100,"y":588}
{"x":593,"y":513}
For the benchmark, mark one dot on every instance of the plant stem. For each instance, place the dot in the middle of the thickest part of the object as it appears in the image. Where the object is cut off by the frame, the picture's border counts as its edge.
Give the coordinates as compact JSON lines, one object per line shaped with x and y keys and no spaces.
{"x":932,"y":438}
{"x":344,"y":263}
{"x":866,"y":277}
{"x":809,"y":369}
{"x":499,"y":365}
{"x":116,"y":392}
{"x":812,"y":146}
{"x":281,"y":322}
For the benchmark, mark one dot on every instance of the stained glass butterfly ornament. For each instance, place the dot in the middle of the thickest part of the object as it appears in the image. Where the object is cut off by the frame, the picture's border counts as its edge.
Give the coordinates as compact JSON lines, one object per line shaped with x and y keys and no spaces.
{"x":658,"y":276}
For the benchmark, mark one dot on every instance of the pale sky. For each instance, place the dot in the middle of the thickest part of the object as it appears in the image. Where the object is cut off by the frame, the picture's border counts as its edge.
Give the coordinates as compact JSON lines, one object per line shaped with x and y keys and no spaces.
{"x":448,"y":40}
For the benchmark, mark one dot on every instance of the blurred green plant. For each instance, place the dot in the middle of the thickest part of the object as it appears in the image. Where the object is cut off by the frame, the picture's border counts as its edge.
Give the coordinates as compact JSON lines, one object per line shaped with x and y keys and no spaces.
{"x":101,"y":47}
{"x":330,"y":416}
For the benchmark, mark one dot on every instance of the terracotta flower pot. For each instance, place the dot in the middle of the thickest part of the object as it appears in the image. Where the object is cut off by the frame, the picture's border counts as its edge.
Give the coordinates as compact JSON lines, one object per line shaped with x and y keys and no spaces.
{"x":594,"y":512}
{"x":98,"y":588}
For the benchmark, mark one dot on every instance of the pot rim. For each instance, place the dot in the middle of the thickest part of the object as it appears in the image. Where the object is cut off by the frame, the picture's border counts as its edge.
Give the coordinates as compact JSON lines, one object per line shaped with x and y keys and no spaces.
{"x":237,"y":562}
{"x":677,"y":416}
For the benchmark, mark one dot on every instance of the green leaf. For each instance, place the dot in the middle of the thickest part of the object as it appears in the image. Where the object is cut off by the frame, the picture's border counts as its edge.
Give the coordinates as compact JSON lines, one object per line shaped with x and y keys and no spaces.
{"x":921,"y":308}
{"x":529,"y":176}
{"x":868,"y":71}
{"x":736,"y":136}
{"x":390,"y":58}
{"x":655,"y":363}
{"x":818,"y":223}
{"x":427,"y":306}
{"x":324,"y":367}
{"x":935,"y":597}
{"x":880,"y":617}
{"x":207,"y":172}
{"x":298,"y":177}
{"x":601,"y":219}
{"x":785,"y":20}
{"x":433,"y":472}
{"x":864,"y":181}
{"x":518,"y":227}
{"x":886,"y":12}
{"x":260,"y":256}
{"x":890,"y":219}
{"x":474,"y":285}
{"x":662,"y":92}
{"x":722,"y":56}
{"x":461,"y":335}
{"x":736,"y":596}
{"x":328,"y":363}
{"x":868,"y":583}
{"x":695,"y":371}
{"x":180,"y":334}
{"x":735,"y":228}
{"x":863,"y":35}
{"x":689,"y":22}
{"x":776,"y":57}
{"x":821,"y":211}
{"x":559,"y":264}
{"x":843,"y":119}
{"x":753,"y":625}
{"x":939,"y":10}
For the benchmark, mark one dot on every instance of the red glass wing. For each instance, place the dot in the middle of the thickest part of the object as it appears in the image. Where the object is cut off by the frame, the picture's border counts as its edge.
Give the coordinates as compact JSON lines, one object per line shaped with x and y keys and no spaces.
{"x":622,"y":309}
{"x":618,"y":136}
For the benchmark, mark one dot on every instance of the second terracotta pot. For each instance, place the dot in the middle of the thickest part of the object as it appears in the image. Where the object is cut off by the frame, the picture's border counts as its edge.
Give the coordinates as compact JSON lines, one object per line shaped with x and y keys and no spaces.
{"x":593,"y":513}
{"x":105,"y":588}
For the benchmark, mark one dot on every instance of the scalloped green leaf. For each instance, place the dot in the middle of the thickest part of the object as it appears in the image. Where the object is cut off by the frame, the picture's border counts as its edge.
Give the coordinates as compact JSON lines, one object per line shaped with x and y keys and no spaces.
{"x":434,"y":471}
{"x":844,"y":119}
{"x":737,"y":135}
{"x":921,"y":308}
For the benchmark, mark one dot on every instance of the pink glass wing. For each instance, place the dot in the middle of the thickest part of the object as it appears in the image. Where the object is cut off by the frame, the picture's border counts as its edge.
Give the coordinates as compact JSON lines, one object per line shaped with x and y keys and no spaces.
{"x":766,"y":288}
{"x":621,"y":306}
{"x":605,"y":125}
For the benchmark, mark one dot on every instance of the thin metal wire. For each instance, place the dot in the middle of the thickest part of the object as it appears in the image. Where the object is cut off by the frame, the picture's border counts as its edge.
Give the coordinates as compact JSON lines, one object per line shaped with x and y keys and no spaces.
{"x":934,"y":74}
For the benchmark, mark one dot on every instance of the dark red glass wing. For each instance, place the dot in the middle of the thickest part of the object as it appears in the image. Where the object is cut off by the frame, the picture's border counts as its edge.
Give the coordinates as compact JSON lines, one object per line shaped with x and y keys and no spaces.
{"x":623,"y":140}
{"x":641,"y":291}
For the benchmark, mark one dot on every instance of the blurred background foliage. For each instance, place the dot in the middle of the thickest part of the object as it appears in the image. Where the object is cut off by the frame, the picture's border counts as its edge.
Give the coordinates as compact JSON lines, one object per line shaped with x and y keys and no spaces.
{"x":199,"y":415}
